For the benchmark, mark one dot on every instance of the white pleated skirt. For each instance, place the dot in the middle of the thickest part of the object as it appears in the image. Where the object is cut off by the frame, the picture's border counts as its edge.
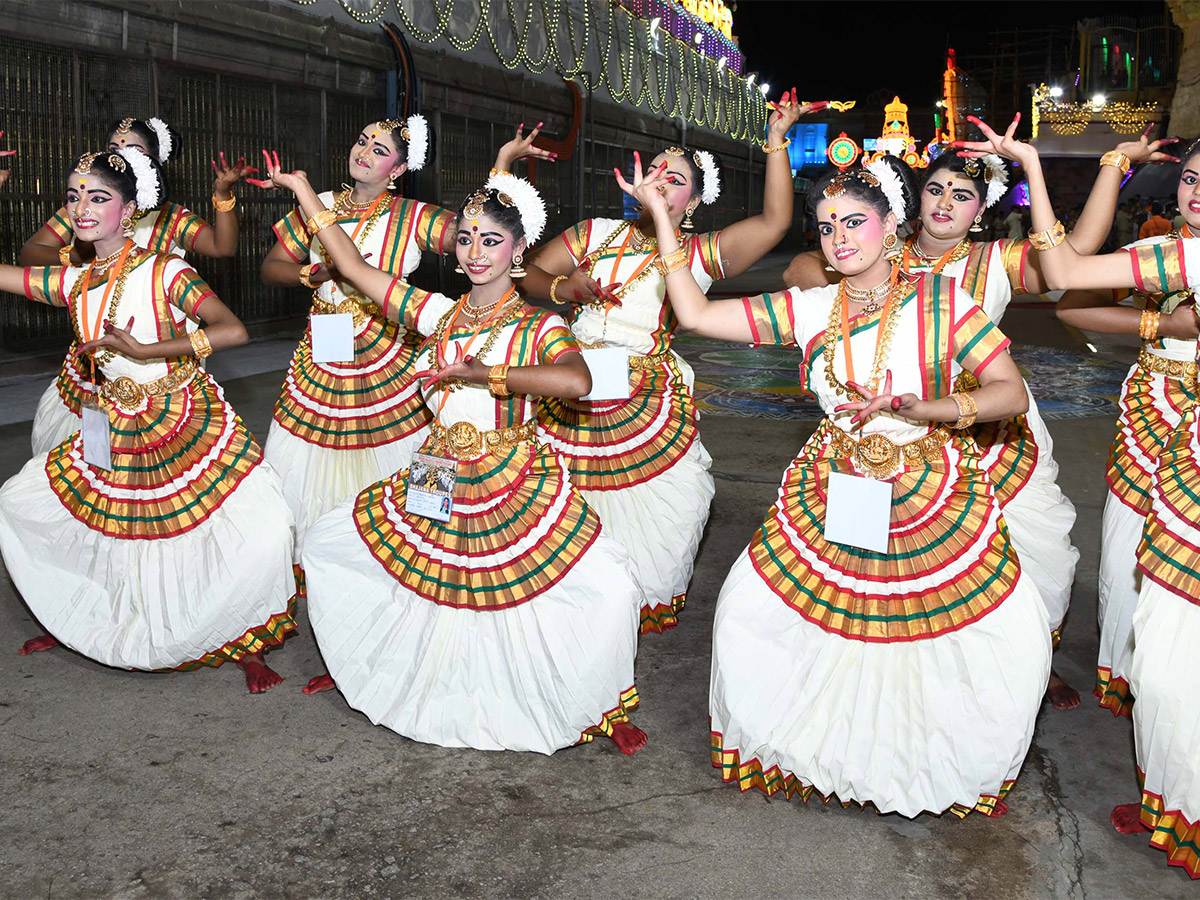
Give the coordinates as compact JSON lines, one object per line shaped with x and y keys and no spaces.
{"x":53,"y":422}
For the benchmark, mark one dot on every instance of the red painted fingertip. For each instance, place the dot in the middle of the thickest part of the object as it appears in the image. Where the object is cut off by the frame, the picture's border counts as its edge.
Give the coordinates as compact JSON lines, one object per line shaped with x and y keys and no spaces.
{"x":540,"y":124}
{"x":820,"y":104}
{"x":896,"y":403}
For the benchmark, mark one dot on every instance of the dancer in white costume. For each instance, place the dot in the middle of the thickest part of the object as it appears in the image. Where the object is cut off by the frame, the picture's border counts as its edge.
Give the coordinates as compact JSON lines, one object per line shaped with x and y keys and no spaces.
{"x":908,"y":678}
{"x":1017,"y":452}
{"x":513,"y":624}
{"x":639,"y":462}
{"x":177,"y":553}
{"x":1159,"y":388}
{"x":168,"y":228}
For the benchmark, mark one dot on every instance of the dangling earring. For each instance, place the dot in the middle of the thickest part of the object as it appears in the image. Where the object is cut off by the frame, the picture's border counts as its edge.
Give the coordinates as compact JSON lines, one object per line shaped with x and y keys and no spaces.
{"x":391,"y":185}
{"x":686,"y":224}
{"x":891,"y":246}
{"x":976,"y":228}
{"x":516,"y":271}
{"x":459,"y":269}
{"x":127,"y":226}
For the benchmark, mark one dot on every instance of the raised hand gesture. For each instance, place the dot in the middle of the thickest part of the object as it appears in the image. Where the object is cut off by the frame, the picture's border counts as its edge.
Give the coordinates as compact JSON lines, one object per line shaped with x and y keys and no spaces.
{"x":462,"y":367}
{"x":885,"y":399}
{"x":646,"y":189}
{"x":276,"y":176}
{"x":1144,"y":150}
{"x":228,"y":176}
{"x":1005,"y":145}
{"x":522,"y":148}
{"x":788,"y":111}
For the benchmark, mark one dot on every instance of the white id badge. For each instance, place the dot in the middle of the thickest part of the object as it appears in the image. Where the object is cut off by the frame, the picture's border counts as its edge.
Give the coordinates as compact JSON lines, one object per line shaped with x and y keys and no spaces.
{"x":610,"y":373}
{"x":858,"y":512}
{"x":431,"y":482}
{"x":332,"y":337}
{"x":97,"y":437}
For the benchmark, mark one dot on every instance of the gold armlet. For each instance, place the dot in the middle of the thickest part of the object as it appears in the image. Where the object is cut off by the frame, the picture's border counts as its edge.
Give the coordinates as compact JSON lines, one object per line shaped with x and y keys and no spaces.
{"x":498,"y":381}
{"x":1148,"y":326}
{"x":64,"y":254}
{"x":306,"y":274}
{"x":967,"y":410}
{"x":201,"y":348}
{"x":1117,"y":160}
{"x":321,"y":221}
{"x":783,"y":146}
{"x":224,"y":205}
{"x":493,"y":172}
{"x":1050,"y":238}
{"x":554,"y":287}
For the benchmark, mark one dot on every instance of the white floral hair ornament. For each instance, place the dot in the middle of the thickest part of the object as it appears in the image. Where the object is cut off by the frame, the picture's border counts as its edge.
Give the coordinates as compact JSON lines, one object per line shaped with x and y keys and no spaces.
{"x":416,"y":134}
{"x":995,"y":173}
{"x":526,"y":199}
{"x":711,"y":176}
{"x":148,"y":188}
{"x":160,"y":129}
{"x":893,"y":189}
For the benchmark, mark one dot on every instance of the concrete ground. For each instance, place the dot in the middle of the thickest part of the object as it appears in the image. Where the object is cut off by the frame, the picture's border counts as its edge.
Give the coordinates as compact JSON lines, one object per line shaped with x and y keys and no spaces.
{"x":131,"y":785}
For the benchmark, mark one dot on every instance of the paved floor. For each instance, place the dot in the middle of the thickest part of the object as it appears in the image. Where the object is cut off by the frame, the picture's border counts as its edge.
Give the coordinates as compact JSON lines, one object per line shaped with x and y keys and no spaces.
{"x":129,"y":785}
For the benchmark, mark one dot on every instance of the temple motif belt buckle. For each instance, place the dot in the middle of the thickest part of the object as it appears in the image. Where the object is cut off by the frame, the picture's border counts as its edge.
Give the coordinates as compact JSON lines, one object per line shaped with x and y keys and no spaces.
{"x":878,"y":456}
{"x":464,"y":439}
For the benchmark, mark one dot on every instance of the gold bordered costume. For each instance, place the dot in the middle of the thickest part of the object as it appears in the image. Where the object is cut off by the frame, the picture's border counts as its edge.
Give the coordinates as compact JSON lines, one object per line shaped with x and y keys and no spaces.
{"x":829,"y":662}
{"x":512,"y":626}
{"x":1018,"y":453}
{"x":170,"y":228}
{"x":180,"y":556}
{"x":338,"y":427}
{"x":639,"y":462}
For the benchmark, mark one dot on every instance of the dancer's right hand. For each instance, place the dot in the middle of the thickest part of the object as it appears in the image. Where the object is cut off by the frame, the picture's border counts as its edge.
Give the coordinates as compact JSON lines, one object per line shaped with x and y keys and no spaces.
{"x":276,"y":176}
{"x":581,"y":289}
{"x":1145,"y":150}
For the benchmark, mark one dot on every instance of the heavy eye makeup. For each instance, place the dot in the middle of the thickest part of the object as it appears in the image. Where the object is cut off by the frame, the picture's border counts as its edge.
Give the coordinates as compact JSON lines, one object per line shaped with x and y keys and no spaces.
{"x":960,"y":195}
{"x":1189,"y":177}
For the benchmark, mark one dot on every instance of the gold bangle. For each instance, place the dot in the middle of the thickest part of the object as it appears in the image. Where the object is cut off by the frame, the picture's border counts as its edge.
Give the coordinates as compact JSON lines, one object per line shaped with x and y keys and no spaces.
{"x":306,"y":274}
{"x":498,"y":381}
{"x":493,"y":172}
{"x":64,"y":254}
{"x":1050,"y":238}
{"x":967,"y":410}
{"x":1117,"y":160}
{"x":224,"y":205}
{"x":201,"y":348}
{"x":674,"y":261}
{"x":321,"y":221}
{"x":787,"y":143}
{"x":1148,"y":326}
{"x":554,"y":287}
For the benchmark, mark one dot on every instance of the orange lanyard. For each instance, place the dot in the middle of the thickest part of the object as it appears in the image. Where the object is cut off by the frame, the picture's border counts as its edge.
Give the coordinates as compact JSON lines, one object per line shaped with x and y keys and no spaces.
{"x":1186,"y":231}
{"x":883,"y":320}
{"x":85,"y":295}
{"x":367,"y":215}
{"x":444,"y":340}
{"x":650,"y":257}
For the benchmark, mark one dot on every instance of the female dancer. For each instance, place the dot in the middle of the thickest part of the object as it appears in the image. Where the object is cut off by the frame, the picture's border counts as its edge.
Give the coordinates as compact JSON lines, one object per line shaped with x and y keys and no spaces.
{"x":908,"y":676}
{"x":1166,"y":621}
{"x":338,"y":427}
{"x":1158,"y":389}
{"x":511,"y":621}
{"x":153,"y":540}
{"x":168,"y":228}
{"x":1017,"y":452}
{"x":639,"y":462}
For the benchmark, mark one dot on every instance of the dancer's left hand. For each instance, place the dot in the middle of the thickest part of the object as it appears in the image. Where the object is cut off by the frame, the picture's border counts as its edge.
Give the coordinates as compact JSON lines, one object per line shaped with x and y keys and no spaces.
{"x":907,"y":405}
{"x":521,"y":147}
{"x":787,"y":112}
{"x":117,"y":339}
{"x":276,"y":176}
{"x":1005,"y":145}
{"x":646,"y":189}
{"x":463,"y":368}
{"x":228,"y":176}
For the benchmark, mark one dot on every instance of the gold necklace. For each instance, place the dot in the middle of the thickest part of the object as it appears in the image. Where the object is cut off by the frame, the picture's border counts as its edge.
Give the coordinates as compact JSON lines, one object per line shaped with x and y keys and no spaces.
{"x":883,"y":344}
{"x":345,"y":203}
{"x":102,"y":264}
{"x":104,"y":356}
{"x":442,"y":329}
{"x":869,"y":297}
{"x":475,"y":313}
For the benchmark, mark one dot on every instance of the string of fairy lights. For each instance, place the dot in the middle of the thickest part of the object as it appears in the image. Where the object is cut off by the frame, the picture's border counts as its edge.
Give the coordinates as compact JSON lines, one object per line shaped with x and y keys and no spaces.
{"x":634,"y":60}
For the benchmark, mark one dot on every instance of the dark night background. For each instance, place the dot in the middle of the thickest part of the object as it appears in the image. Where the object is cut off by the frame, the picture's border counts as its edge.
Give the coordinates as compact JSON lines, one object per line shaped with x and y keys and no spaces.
{"x":858,"y":50}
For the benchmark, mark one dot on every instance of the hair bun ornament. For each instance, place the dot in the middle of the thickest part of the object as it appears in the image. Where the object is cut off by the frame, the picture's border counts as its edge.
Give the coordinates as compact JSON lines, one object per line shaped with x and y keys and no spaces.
{"x":144,"y":175}
{"x":995,"y":173}
{"x":416,"y":134}
{"x":892,"y":187}
{"x":163,"y":133}
{"x":711,"y":176}
{"x":526,"y":199}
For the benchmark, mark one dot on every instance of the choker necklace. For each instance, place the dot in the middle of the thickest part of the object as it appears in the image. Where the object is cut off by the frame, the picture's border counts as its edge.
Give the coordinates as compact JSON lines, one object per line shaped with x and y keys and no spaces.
{"x":869,"y":297}
{"x":103,"y":263}
{"x":346,"y":203}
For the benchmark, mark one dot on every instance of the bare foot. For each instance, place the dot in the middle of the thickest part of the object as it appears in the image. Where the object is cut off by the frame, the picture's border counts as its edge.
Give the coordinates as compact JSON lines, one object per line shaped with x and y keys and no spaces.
{"x":628,"y":737}
{"x":1060,"y":694}
{"x":319,"y":684}
{"x":259,"y":676}
{"x":1000,"y":809}
{"x":1127,"y":818}
{"x":34,"y":645}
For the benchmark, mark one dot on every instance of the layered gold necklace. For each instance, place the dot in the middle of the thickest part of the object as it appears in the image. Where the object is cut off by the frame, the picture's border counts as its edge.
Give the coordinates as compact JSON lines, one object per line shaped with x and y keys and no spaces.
{"x":839,"y":327}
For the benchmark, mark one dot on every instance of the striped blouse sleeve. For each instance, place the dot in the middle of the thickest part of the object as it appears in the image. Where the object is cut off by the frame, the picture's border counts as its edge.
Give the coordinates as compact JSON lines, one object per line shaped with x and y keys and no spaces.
{"x":772,"y":319}
{"x":184,"y":227}
{"x":706,"y":249}
{"x":975,"y":339}
{"x":1166,"y":266}
{"x":60,"y":225}
{"x":185,"y":287}
{"x":576,"y":238}
{"x":555,"y":339}
{"x":1014,"y":254}
{"x":435,"y":229}
{"x":50,"y":284}
{"x":293,"y":235}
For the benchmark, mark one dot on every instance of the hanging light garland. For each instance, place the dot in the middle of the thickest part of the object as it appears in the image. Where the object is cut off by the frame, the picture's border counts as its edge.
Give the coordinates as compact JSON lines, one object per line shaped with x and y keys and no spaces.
{"x":1129,"y":118}
{"x":655,"y":70}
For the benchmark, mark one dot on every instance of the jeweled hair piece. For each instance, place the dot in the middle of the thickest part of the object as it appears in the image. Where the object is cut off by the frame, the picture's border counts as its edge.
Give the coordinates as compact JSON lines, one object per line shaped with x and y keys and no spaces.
{"x":513,"y":191}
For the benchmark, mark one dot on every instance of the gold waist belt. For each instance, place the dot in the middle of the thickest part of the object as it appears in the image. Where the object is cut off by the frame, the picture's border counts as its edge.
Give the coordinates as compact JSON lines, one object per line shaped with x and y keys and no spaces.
{"x":879,"y":456}
{"x":361,"y":308}
{"x":648,"y":363}
{"x":1173,"y":368}
{"x":124,"y":391}
{"x":462,"y":440}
